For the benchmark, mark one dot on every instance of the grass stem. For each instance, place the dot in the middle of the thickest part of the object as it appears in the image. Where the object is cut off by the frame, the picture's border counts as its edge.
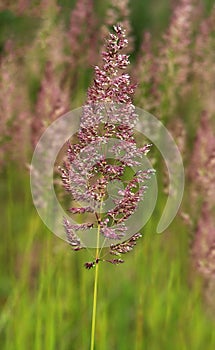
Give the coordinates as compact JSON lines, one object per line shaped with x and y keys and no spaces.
{"x":95,"y":293}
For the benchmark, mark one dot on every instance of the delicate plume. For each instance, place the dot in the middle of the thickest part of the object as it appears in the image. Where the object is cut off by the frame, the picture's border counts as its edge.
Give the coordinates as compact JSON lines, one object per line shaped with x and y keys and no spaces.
{"x":110,"y":85}
{"x":175,"y":61}
{"x":202,"y":166}
{"x":178,"y":40}
{"x":72,"y":238}
{"x":107,"y":115}
{"x":52,"y":102}
{"x":126,"y":246}
{"x":203,"y":66}
{"x":81,"y":35}
{"x":29,"y":8}
{"x":119,"y":12}
{"x":202,"y":175}
{"x":146,"y":73}
{"x":14,"y":121}
{"x":49,"y":41}
{"x":203,"y":249}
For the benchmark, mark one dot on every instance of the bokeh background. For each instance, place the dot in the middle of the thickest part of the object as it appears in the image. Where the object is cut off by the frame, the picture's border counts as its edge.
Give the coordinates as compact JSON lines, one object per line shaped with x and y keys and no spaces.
{"x":163,"y":297}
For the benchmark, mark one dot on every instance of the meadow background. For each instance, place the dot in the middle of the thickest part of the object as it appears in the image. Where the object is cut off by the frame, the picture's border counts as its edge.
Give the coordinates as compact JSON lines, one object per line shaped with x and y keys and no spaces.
{"x":163,"y":297}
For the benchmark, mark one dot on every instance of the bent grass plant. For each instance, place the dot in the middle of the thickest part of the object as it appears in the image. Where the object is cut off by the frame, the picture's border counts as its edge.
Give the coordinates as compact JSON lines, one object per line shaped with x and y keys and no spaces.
{"x":87,"y":172}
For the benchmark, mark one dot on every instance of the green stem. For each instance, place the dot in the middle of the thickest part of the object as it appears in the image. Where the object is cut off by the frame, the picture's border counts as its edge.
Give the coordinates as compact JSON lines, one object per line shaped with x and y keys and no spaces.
{"x":95,"y":293}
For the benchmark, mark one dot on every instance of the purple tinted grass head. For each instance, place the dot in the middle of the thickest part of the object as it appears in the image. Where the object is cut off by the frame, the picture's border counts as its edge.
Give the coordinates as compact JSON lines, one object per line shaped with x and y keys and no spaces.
{"x":163,"y":76}
{"x":119,"y":12}
{"x":14,"y":121}
{"x":203,"y":65}
{"x":52,"y":102}
{"x":178,"y":39}
{"x":81,"y":35}
{"x":50,"y":39}
{"x":146,"y":73}
{"x":110,"y":85}
{"x":203,"y":249}
{"x":105,"y":149}
{"x":175,"y":58}
{"x":18,"y":7}
{"x":202,"y":167}
{"x":27,"y":7}
{"x":202,"y":174}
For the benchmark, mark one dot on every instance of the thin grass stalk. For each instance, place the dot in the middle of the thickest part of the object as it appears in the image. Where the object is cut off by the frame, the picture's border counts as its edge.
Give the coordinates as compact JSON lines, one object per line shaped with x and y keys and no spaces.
{"x":95,"y":293}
